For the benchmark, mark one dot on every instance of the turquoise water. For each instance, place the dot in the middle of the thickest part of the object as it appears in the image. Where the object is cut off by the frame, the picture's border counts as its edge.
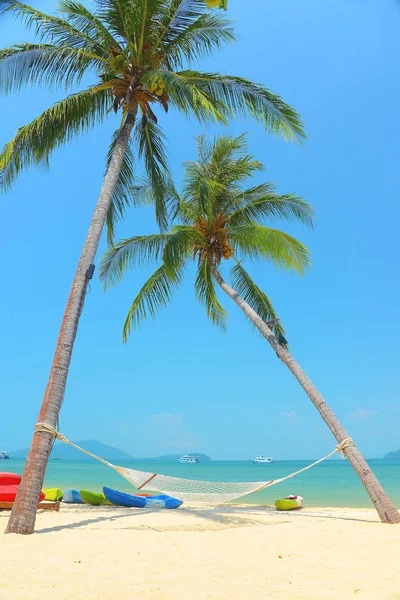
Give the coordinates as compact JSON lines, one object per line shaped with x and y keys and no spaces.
{"x":332,"y":483}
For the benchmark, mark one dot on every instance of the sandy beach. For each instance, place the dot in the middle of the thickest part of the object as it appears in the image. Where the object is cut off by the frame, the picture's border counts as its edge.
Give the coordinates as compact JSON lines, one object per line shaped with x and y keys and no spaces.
{"x":218,"y":553}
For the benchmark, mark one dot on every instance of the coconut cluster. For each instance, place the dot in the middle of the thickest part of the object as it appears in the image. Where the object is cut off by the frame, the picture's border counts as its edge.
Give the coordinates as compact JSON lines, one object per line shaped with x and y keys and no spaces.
{"x":157,"y":87}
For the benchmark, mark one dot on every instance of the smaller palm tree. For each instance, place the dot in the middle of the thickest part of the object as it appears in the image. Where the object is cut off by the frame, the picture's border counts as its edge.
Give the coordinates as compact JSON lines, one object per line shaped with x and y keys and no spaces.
{"x":218,"y":220}
{"x":215,"y":219}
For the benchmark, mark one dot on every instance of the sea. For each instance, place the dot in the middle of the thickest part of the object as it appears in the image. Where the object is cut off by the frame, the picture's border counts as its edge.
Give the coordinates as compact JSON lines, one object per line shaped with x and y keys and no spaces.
{"x":331,"y":483}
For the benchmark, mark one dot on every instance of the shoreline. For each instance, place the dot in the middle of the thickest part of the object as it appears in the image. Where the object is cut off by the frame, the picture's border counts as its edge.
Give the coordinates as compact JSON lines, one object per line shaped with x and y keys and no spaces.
{"x":224,"y":552}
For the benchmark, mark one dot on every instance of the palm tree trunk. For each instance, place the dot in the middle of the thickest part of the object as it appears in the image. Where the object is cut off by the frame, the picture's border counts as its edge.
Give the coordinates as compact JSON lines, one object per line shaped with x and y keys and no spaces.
{"x":23,"y":515}
{"x":386,"y":510}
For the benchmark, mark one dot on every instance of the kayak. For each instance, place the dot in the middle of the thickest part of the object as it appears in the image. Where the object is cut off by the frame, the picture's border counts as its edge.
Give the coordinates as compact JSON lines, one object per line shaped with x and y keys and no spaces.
{"x":53,"y":494}
{"x":8,"y":493}
{"x":92,"y":497}
{"x":289,"y":503}
{"x":163,"y":501}
{"x":10,"y":479}
{"x":122,"y":499}
{"x":72,"y":497}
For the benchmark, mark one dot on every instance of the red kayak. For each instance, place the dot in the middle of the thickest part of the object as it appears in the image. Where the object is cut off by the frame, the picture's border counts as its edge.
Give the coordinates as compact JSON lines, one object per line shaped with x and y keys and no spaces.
{"x":9,"y":479}
{"x":8,"y":493}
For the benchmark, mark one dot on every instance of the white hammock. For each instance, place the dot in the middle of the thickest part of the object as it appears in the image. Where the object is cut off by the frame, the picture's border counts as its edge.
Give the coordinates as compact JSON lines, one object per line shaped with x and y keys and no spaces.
{"x":209,"y":492}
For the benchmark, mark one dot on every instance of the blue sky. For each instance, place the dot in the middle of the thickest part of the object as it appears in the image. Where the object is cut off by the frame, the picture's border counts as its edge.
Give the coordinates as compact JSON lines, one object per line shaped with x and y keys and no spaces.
{"x":179,"y":385}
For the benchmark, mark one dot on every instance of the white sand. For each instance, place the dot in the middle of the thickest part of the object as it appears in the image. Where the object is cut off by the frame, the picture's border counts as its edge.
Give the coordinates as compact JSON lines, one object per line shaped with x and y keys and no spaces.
{"x":223,"y":553}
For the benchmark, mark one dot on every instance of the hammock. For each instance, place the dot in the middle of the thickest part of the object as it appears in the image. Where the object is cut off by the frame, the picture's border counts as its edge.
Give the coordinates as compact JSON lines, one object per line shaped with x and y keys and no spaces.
{"x":209,"y":492}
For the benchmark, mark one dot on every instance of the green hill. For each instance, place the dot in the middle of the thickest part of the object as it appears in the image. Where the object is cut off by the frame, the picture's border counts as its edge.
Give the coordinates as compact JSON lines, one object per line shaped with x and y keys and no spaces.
{"x":65,"y":452}
{"x":394,"y":455}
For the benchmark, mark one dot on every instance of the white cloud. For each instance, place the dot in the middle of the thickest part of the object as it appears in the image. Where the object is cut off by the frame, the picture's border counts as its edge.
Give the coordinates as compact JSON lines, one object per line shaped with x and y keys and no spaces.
{"x":291,"y":417}
{"x":361,"y":413}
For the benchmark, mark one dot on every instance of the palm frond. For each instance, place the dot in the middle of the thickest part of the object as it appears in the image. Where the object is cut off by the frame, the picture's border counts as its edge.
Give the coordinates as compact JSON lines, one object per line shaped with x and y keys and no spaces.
{"x":122,"y":196}
{"x":34,"y":143}
{"x":255,"y":297}
{"x":50,"y":28}
{"x":153,"y":296}
{"x":180,"y":245}
{"x":135,"y":251}
{"x":200,"y":190}
{"x":187,"y":42}
{"x":150,"y":140}
{"x":270,"y":206}
{"x":89,"y":23}
{"x":52,"y":66}
{"x":206,"y":294}
{"x":192,"y":98}
{"x":284,"y":251}
{"x":242,"y":97}
{"x":113,"y":14}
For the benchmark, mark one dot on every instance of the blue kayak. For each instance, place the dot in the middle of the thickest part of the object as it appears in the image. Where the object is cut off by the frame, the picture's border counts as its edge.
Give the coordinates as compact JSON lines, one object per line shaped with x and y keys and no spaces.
{"x":73,"y":497}
{"x":122,"y":499}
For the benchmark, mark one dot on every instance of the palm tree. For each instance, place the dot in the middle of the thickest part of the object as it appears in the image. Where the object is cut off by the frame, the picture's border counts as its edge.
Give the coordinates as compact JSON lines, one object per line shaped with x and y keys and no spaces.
{"x":218,"y":218}
{"x":140,"y":54}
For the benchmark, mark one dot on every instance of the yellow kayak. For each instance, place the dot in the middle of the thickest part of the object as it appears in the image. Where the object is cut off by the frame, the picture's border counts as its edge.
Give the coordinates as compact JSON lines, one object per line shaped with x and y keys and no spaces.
{"x":53,"y":494}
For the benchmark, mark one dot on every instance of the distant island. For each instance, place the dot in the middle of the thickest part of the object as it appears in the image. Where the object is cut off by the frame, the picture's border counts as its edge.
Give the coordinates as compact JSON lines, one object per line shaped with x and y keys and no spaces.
{"x":64,"y":452}
{"x":394,"y":455}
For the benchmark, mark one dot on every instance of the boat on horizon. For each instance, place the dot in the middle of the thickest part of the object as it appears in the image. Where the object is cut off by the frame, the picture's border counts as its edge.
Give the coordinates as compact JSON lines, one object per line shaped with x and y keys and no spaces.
{"x":4,"y":455}
{"x":262,"y":460}
{"x":189,"y":459}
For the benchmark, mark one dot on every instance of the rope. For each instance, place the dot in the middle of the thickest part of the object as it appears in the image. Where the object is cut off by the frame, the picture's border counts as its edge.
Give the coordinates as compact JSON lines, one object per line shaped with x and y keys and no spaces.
{"x":46,"y":428}
{"x":127,"y":473}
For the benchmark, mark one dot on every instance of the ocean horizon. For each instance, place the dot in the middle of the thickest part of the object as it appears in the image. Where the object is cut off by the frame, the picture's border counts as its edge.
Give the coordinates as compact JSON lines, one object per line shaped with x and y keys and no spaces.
{"x":332,"y":483}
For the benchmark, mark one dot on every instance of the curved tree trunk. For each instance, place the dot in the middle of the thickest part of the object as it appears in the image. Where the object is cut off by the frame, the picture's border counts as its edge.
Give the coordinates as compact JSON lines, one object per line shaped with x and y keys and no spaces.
{"x":23,"y":514}
{"x":386,"y":510}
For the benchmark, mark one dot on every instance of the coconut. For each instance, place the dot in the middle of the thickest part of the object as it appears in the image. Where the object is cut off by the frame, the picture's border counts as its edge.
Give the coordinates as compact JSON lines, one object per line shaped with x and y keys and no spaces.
{"x":212,"y":3}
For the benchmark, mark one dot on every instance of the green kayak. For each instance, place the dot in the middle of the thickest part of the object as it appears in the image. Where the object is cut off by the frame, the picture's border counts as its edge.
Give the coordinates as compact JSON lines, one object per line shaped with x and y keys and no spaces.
{"x":289,"y":503}
{"x":53,"y":494}
{"x":92,"y":498}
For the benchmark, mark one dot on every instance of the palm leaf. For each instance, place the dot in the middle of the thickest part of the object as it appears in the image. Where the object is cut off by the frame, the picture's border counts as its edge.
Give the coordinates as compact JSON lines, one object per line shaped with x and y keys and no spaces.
{"x":150,"y":140}
{"x":243,"y":98}
{"x":188,"y":42}
{"x":34,"y":143}
{"x":28,"y":64}
{"x":270,"y":206}
{"x":154,"y":295}
{"x":180,"y":245}
{"x":122,"y":196}
{"x":255,"y":297}
{"x":135,"y":251}
{"x":206,"y":294}
{"x":87,"y":22}
{"x":50,"y":28}
{"x":255,"y":241}
{"x":192,"y":98}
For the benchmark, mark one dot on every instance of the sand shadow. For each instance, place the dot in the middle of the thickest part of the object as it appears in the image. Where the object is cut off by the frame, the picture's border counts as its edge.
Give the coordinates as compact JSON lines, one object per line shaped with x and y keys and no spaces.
{"x":230,"y":516}
{"x":100,"y":519}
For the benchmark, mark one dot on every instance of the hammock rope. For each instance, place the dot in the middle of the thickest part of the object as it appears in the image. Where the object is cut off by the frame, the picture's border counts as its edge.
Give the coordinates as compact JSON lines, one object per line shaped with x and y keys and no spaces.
{"x":209,"y":492}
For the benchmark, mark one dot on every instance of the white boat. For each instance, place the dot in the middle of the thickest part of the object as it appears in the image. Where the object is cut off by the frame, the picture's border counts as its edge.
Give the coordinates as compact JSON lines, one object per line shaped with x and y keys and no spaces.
{"x":262,"y":460}
{"x":187,"y":458}
{"x":4,"y":455}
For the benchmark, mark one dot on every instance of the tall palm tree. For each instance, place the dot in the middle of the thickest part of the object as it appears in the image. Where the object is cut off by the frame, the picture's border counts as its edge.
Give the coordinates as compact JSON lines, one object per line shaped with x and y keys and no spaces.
{"x":140,"y":54}
{"x":218,"y":218}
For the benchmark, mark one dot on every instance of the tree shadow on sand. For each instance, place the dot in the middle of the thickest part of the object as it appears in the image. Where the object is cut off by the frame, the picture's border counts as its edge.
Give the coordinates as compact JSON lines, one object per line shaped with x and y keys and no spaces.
{"x":229,"y":516}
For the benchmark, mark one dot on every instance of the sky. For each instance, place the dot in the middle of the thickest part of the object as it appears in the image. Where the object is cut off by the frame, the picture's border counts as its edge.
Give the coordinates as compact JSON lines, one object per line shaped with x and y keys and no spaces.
{"x":179,"y":385}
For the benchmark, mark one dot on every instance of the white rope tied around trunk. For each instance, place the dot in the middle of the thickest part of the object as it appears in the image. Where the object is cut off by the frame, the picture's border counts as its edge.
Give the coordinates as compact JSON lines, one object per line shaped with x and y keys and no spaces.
{"x":211,"y":492}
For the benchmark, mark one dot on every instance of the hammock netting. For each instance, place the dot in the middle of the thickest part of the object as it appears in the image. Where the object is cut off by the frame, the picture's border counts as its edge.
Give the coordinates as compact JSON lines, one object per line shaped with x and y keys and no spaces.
{"x":210,"y":492}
